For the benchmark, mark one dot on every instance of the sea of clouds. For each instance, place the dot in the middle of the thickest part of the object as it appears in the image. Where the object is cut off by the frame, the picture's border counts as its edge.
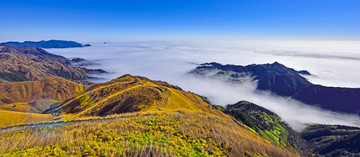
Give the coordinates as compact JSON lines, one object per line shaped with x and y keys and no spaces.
{"x":331,"y":63}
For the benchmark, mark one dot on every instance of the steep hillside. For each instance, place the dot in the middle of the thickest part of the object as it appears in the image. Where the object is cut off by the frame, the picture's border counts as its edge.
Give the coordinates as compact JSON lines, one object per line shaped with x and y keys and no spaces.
{"x":35,"y":96}
{"x":267,"y":124}
{"x":333,"y":140}
{"x":131,"y":94}
{"x":29,"y":63}
{"x":285,"y":81}
{"x":46,"y":44}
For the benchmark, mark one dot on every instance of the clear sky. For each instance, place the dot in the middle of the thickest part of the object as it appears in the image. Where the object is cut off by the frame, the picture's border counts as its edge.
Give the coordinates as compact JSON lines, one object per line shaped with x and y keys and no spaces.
{"x":176,"y":19}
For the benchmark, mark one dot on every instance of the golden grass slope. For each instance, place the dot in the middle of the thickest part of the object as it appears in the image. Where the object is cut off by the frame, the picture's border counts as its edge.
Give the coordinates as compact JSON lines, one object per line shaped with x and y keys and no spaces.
{"x":57,"y":89}
{"x":165,"y":133}
{"x":131,"y":94}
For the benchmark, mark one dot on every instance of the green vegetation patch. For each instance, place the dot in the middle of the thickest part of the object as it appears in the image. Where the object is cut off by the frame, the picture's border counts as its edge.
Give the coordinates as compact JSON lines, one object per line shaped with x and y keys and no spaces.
{"x":266,"y":124}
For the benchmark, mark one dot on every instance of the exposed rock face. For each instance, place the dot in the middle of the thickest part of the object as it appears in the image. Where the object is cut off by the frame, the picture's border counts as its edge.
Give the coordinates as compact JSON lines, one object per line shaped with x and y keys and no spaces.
{"x":285,"y":81}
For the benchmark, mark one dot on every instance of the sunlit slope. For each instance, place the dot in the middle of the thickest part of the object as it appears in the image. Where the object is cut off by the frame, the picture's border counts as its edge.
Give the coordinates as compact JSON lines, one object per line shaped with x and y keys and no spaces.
{"x":131,"y":94}
{"x":166,"y":133}
{"x":33,"y":97}
{"x":50,"y":88}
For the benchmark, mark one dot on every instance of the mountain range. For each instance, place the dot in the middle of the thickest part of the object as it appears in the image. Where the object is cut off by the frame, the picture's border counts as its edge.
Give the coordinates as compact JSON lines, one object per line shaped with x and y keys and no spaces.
{"x":30,"y":63}
{"x":46,"y":44}
{"x":288,"y":82}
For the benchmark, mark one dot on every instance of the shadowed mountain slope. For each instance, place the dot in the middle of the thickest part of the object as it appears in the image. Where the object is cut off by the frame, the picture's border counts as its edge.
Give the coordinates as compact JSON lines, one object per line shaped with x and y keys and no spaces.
{"x":284,"y":81}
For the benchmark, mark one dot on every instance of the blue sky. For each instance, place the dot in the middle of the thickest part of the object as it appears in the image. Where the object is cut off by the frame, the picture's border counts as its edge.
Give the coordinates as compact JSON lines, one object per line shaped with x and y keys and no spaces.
{"x":179,"y":19}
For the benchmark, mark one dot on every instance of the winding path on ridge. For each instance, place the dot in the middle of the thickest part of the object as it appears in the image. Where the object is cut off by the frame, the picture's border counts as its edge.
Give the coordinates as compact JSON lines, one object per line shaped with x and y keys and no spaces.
{"x":165,"y":98}
{"x":161,"y":91}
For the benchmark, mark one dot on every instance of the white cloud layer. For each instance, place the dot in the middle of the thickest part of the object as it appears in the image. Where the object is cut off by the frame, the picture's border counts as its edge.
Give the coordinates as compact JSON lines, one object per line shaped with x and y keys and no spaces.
{"x":332,"y":63}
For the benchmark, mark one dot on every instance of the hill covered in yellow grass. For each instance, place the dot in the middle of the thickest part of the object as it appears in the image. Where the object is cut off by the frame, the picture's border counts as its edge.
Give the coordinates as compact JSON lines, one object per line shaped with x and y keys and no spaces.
{"x":132,"y":94}
{"x":55,"y":88}
{"x":22,"y":102}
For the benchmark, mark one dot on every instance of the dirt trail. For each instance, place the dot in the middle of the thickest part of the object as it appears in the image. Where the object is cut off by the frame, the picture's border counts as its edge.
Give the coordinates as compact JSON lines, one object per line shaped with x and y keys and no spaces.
{"x":161,"y":91}
{"x":166,"y":99}
{"x":60,"y":124}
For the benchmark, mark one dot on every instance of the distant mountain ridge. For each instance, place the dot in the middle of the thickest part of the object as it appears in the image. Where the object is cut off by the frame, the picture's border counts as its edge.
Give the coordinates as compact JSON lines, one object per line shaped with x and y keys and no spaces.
{"x":46,"y":44}
{"x":285,"y":81}
{"x":31,"y":64}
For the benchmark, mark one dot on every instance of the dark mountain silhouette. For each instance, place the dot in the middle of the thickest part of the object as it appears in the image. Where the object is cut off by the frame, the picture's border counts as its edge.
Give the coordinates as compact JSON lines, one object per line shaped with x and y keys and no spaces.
{"x":46,"y":44}
{"x":285,"y":81}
